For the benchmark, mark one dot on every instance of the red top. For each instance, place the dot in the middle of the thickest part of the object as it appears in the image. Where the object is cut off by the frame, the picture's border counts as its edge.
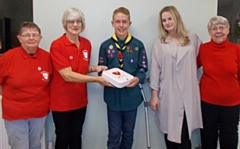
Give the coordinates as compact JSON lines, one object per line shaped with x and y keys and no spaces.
{"x":25,"y":84}
{"x":219,"y":84}
{"x":67,"y":96}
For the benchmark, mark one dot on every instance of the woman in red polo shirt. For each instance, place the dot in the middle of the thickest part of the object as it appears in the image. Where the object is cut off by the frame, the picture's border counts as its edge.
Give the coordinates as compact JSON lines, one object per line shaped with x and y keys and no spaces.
{"x":70,"y":55}
{"x":25,"y":72}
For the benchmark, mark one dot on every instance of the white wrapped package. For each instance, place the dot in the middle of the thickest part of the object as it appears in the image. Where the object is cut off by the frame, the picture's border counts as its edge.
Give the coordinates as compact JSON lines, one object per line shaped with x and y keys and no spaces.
{"x":117,"y":77}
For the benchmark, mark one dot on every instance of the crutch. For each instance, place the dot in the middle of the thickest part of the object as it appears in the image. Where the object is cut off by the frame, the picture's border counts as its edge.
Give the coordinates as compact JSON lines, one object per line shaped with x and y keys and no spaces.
{"x":146,"y":104}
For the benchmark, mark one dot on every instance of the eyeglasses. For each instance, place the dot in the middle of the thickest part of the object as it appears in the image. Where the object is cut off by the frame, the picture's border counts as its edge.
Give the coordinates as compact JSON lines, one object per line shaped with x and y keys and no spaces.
{"x":72,"y":22}
{"x":30,"y":35}
{"x":221,"y":28}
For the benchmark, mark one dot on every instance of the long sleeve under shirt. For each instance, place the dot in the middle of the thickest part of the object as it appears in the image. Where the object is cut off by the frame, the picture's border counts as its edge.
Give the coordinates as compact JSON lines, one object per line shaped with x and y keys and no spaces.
{"x":219,"y":84}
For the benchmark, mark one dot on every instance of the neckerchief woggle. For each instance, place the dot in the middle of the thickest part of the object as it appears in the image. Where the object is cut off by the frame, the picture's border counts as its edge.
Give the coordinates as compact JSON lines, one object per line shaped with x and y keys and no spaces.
{"x":120,"y":50}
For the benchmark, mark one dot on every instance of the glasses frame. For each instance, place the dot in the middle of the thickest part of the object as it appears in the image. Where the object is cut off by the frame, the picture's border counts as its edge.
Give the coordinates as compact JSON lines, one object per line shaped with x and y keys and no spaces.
{"x":72,"y":22}
{"x":30,"y":35}
{"x":221,"y":28}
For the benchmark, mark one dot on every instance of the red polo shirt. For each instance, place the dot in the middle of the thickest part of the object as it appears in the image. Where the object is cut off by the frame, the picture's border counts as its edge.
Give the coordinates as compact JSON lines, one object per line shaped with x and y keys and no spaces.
{"x":67,"y":96}
{"x":25,"y":84}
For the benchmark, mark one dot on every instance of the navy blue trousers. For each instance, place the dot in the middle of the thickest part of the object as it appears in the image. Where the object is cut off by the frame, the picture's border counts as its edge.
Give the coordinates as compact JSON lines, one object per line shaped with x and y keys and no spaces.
{"x":121,"y":126}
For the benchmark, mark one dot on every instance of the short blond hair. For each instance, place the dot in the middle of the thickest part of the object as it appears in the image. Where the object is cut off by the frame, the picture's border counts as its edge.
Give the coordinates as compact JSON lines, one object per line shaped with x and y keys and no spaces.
{"x":121,"y":10}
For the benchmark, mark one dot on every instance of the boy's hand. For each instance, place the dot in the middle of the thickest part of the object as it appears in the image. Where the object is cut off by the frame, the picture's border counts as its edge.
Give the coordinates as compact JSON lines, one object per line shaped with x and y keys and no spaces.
{"x":133,"y":82}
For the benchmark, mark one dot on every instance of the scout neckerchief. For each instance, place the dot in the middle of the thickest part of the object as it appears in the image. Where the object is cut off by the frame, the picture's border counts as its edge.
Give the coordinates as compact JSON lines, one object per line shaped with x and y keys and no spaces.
{"x":120,"y":49}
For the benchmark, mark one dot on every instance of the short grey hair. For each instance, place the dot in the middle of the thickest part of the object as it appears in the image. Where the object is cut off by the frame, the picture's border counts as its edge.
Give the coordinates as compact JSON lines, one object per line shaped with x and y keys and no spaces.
{"x":217,"y":20}
{"x":27,"y":24}
{"x":73,"y":14}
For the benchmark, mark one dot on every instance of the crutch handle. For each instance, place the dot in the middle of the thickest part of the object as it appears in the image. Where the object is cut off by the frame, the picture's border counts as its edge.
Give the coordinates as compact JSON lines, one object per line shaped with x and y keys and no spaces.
{"x":146,"y":104}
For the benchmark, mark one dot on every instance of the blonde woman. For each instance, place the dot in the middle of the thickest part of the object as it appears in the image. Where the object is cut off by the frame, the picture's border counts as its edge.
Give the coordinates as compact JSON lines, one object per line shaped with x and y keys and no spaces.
{"x":175,"y":91}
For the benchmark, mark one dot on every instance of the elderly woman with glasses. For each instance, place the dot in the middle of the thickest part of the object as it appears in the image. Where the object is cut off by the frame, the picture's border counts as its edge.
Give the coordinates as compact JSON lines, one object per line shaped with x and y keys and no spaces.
{"x":70,"y":55}
{"x":25,"y":72}
{"x":219,"y":87}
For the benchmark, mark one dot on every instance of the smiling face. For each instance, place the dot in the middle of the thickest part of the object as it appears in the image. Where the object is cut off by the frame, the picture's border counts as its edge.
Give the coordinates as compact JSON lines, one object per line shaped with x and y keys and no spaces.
{"x":121,"y":22}
{"x":218,"y":33}
{"x":73,"y":21}
{"x":29,"y":39}
{"x":168,"y":22}
{"x":74,"y":27}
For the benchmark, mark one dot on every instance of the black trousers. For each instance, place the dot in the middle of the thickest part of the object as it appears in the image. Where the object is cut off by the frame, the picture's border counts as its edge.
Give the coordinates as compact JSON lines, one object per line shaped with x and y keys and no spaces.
{"x":185,"y":141}
{"x":219,"y":122}
{"x":69,"y":128}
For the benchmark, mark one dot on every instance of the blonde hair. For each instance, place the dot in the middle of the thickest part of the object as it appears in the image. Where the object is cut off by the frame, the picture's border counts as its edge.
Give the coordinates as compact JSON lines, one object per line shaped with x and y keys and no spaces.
{"x":121,"y":10}
{"x":180,"y":29}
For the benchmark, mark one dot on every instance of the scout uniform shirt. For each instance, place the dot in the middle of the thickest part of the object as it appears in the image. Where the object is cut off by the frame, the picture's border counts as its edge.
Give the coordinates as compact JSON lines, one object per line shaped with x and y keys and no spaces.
{"x":130,"y":56}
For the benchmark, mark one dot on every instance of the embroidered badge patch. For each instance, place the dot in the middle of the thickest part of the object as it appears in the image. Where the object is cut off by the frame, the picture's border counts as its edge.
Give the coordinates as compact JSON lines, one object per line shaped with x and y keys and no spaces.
{"x":101,"y":60}
{"x":110,"y":47}
{"x":110,"y":52}
{"x":144,"y":59}
{"x":131,"y":61}
{"x":129,"y":49}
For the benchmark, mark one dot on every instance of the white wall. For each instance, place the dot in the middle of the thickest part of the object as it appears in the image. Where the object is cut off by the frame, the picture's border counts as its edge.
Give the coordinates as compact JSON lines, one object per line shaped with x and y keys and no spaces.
{"x":144,"y":15}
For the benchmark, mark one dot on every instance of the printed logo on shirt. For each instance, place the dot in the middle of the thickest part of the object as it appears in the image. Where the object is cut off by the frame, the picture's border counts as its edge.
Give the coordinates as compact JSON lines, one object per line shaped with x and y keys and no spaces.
{"x":45,"y":76}
{"x":85,"y":55}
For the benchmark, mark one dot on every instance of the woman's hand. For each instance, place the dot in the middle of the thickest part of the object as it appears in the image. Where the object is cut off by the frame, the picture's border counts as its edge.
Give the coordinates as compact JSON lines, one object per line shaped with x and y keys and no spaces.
{"x":155,"y":102}
{"x":98,"y":68}
{"x":103,"y":81}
